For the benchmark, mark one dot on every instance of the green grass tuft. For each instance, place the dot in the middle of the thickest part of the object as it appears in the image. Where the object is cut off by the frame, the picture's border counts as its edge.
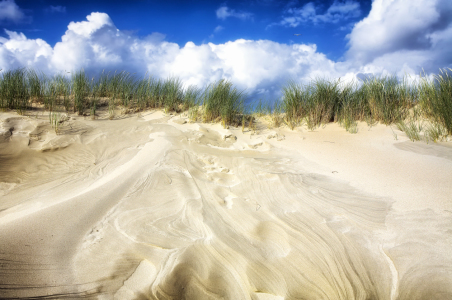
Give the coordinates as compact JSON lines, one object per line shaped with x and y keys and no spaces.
{"x":436,"y":98}
{"x":222,"y":101}
{"x":382,"y":99}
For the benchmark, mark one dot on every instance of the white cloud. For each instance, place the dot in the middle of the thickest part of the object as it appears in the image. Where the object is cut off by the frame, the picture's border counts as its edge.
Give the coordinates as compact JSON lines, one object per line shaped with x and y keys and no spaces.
{"x":94,"y":23}
{"x":56,"y":9}
{"x":225,"y":12}
{"x":411,"y":33}
{"x":215,"y":31}
{"x":18,"y":51}
{"x":260,"y":66}
{"x":251,"y":65}
{"x":9,"y":11}
{"x":218,"y":29}
{"x":347,"y":9}
{"x":96,"y":44}
{"x":338,"y":11}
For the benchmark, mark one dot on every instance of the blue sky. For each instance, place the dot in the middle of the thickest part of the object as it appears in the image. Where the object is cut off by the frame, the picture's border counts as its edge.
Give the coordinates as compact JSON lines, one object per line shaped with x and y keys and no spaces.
{"x":202,"y":21}
{"x":251,"y":43}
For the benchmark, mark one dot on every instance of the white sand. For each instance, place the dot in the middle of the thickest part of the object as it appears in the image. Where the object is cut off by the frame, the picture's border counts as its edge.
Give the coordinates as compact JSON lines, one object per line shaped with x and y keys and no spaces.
{"x":151,"y":207}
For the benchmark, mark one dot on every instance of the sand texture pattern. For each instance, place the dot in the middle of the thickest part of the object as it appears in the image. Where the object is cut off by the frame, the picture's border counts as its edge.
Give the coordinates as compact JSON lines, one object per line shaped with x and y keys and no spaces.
{"x":152,"y":207}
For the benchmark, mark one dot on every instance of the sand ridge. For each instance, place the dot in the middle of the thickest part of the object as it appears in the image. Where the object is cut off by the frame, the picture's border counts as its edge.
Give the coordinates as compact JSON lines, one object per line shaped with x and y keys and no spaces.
{"x":152,"y":206}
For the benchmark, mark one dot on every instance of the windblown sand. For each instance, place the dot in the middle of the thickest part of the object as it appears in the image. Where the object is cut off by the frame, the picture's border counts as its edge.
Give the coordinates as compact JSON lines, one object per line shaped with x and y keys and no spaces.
{"x":150,"y":207}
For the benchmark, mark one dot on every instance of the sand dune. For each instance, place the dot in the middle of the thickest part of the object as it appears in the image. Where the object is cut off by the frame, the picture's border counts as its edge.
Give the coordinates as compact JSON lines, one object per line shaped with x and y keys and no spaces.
{"x":153,"y":207}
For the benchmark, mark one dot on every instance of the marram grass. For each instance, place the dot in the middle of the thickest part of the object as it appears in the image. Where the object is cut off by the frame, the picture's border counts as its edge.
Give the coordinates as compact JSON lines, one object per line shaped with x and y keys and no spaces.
{"x":222,"y":101}
{"x":436,"y":98}
{"x":382,"y":99}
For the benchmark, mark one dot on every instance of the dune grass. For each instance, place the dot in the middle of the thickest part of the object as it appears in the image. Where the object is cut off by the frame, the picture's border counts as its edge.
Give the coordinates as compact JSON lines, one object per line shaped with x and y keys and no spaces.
{"x":223,"y":101}
{"x":388,"y":99}
{"x":320,"y":102}
{"x":14,"y":92}
{"x":55,"y":119}
{"x":295,"y":96}
{"x":382,"y":99}
{"x":80,"y":90}
{"x":36,"y":85}
{"x":351,"y":107}
{"x":436,"y":99}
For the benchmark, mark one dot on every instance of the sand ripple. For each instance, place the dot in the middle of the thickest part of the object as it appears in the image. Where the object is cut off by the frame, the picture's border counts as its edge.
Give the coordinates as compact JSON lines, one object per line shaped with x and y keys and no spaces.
{"x":163,"y":213}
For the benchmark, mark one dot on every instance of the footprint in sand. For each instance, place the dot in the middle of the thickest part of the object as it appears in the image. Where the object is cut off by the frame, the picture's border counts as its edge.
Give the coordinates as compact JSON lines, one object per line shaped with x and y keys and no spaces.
{"x":96,"y":234}
{"x":255,"y":146}
{"x":228,"y":201}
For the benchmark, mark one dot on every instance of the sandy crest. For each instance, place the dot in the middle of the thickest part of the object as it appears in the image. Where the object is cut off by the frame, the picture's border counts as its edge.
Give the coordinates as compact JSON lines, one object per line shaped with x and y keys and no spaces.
{"x":152,"y":207}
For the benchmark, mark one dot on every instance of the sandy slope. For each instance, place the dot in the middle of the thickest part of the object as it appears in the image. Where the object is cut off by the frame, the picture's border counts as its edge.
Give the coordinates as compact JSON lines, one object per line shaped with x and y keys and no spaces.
{"x":150,"y":207}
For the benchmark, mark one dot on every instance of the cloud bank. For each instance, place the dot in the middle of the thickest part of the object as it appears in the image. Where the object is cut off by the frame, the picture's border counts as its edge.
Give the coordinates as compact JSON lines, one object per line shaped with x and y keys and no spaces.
{"x":397,"y":36}
{"x":96,"y":44}
{"x":414,"y":34}
{"x":338,"y":11}
{"x":10,"y":12}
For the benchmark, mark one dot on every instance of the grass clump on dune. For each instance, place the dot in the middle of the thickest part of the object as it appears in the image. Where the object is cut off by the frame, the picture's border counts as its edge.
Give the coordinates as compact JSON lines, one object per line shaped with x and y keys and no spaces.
{"x":382,"y":99}
{"x":14,"y":92}
{"x":36,"y":85}
{"x":222,"y":101}
{"x":387,"y":99}
{"x":436,"y":99}
{"x":317,"y":102}
{"x":172,"y":94}
{"x":431,"y":119}
{"x":323,"y":103}
{"x":80,"y":90}
{"x":192,"y":100}
{"x":351,"y":106}
{"x":295,"y":96}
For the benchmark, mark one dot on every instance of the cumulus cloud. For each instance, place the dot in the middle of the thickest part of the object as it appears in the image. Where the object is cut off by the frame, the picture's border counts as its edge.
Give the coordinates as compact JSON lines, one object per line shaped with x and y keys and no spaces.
{"x":225,"y":12}
{"x":338,"y":11}
{"x":96,"y":44}
{"x":18,"y":51}
{"x":259,"y":66}
{"x":10,"y":12}
{"x":411,"y":34}
{"x":252,"y":65}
